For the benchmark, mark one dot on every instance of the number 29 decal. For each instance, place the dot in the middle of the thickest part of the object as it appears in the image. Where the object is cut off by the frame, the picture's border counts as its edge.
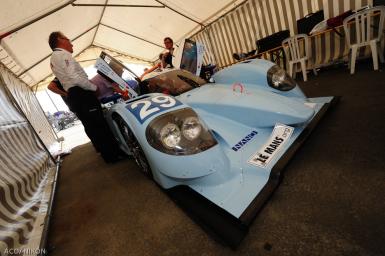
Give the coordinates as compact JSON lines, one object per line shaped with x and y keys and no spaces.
{"x":144,"y":109}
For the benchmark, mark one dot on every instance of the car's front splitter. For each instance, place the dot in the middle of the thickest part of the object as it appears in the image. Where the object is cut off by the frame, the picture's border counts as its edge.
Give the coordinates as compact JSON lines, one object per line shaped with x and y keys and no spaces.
{"x":224,"y":226}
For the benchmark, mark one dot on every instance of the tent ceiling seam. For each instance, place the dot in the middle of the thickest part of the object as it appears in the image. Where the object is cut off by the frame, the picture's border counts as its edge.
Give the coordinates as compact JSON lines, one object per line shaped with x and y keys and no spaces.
{"x":178,"y":12}
{"x":100,"y":19}
{"x":35,"y":20}
{"x":137,"y":37}
{"x":119,"y":5}
{"x":121,"y":53}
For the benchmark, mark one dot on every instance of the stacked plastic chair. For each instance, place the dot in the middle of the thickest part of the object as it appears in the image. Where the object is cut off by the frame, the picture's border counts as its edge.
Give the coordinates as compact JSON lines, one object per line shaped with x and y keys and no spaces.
{"x":366,"y":34}
{"x":296,"y":54}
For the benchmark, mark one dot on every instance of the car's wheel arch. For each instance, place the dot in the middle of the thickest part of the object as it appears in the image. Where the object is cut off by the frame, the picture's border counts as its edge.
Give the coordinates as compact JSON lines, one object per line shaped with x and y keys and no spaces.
{"x":118,"y":121}
{"x":116,"y":117}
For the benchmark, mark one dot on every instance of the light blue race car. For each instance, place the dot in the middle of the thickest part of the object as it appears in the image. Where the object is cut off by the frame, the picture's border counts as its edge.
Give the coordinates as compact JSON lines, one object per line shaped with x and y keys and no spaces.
{"x":218,"y":148}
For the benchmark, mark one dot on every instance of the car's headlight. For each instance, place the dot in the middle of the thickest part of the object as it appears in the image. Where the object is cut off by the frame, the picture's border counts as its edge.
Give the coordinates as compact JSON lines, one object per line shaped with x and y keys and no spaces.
{"x":191,"y":128}
{"x":170,"y":135}
{"x":277,"y":78}
{"x":179,"y":132}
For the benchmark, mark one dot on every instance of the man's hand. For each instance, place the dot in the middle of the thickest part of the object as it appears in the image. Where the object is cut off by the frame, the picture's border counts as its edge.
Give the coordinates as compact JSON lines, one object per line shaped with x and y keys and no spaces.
{"x":125,"y":95}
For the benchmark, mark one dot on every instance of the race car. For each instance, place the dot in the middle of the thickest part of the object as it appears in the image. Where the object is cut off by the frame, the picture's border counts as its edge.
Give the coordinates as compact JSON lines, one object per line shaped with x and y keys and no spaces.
{"x":217,"y":148}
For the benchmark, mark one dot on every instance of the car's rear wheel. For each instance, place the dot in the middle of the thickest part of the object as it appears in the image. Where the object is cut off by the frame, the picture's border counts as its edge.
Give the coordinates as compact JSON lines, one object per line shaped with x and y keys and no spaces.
{"x":135,"y":148}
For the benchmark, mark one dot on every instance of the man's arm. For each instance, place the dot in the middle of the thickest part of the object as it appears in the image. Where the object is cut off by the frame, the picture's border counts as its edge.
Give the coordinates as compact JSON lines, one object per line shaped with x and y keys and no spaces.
{"x":53,"y":87}
{"x":150,"y":70}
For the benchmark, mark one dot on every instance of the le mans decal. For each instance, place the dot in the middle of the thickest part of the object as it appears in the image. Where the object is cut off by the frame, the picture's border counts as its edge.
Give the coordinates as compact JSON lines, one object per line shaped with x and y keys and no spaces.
{"x":278,"y":138}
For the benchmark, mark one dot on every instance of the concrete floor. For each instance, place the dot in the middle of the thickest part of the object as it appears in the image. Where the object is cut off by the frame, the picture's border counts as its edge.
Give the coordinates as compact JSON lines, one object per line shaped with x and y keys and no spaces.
{"x":331,"y":200}
{"x":73,"y":136}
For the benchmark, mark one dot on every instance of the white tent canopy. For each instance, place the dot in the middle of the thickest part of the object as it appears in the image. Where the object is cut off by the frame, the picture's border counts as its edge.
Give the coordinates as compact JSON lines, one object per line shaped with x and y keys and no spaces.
{"x":109,"y":24}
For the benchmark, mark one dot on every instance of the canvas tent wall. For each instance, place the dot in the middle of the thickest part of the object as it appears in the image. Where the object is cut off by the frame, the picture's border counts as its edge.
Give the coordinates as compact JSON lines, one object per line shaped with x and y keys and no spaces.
{"x":238,"y":30}
{"x":26,"y":168}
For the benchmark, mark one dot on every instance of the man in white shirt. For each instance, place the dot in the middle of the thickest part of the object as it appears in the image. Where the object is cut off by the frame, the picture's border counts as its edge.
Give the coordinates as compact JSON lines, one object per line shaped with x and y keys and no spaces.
{"x":81,"y":96}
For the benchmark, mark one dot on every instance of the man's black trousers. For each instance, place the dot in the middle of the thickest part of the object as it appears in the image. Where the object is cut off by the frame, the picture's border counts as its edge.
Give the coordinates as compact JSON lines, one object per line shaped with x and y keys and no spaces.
{"x":87,"y":107}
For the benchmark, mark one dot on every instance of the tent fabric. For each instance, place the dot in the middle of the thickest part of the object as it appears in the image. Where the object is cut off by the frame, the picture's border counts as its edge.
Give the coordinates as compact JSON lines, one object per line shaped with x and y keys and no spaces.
{"x":135,"y":31}
{"x":239,"y":29}
{"x":139,"y":32}
{"x":30,"y":107}
{"x":25,"y":168}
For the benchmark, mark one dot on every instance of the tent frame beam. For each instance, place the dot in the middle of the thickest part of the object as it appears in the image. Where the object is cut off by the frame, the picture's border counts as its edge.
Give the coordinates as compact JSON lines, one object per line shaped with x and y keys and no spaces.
{"x":35,"y":20}
{"x":100,"y":20}
{"x":137,"y":37}
{"x":119,"y":5}
{"x":46,"y":57}
{"x":181,"y":14}
{"x":120,"y":54}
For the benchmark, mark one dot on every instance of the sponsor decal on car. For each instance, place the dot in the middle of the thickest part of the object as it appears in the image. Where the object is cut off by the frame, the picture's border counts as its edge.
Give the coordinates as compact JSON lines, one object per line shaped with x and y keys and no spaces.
{"x":146,"y":108}
{"x":243,"y":142}
{"x":278,"y":138}
{"x":239,"y":87}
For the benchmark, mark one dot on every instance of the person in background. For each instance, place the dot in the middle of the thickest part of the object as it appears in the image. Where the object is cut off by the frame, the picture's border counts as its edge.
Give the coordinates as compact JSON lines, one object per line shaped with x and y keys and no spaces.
{"x":168,"y":53}
{"x":165,"y":58}
{"x":107,"y":88}
{"x":81,"y":96}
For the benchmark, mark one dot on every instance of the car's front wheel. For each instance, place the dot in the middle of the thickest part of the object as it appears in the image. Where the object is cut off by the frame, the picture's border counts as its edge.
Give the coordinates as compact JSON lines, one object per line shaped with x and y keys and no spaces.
{"x":134,"y":146}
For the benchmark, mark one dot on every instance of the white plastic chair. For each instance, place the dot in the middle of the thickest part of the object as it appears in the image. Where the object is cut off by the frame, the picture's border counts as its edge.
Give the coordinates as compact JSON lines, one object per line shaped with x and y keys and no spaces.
{"x":294,"y":54}
{"x":363,"y":23}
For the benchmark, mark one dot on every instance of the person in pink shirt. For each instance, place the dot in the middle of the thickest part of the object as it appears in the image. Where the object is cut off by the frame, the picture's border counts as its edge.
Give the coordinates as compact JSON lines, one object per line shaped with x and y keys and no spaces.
{"x":107,"y":88}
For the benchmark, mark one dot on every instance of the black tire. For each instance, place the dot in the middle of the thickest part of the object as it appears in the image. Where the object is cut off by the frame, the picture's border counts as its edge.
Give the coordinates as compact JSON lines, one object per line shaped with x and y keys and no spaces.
{"x":133,"y":144}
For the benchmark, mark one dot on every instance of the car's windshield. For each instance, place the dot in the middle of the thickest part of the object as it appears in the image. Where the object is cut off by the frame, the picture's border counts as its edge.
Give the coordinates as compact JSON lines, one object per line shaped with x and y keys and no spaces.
{"x":174,"y":82}
{"x":119,"y":69}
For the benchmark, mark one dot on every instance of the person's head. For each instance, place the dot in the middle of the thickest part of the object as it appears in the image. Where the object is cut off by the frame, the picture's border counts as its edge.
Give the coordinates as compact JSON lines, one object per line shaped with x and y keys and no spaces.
{"x":168,"y":43}
{"x":58,"y":40}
